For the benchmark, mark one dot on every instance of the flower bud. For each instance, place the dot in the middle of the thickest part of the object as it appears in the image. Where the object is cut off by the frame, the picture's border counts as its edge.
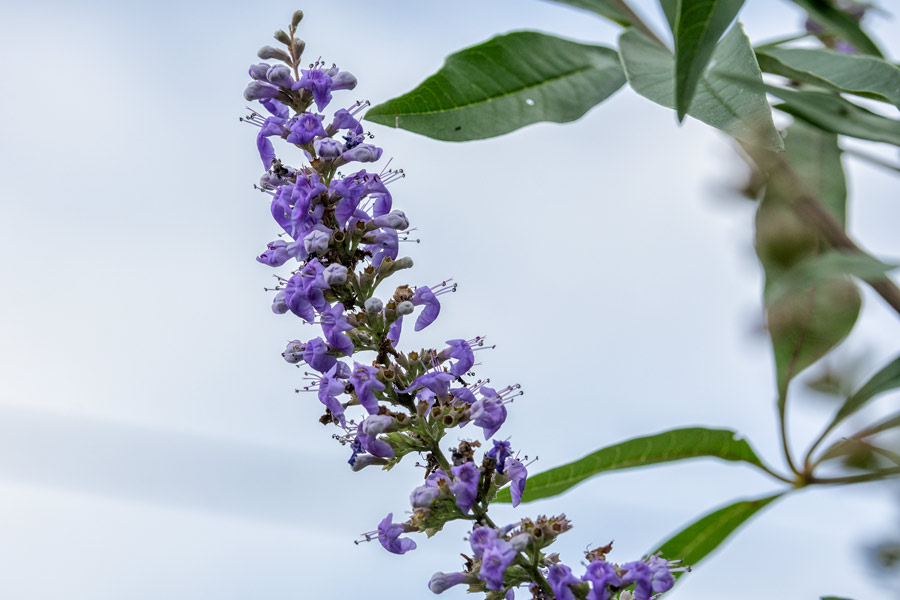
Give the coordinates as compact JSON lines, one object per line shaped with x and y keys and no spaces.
{"x":366,"y":460}
{"x":328,"y":147}
{"x":519,"y":542}
{"x":257,"y":90}
{"x":343,"y":81}
{"x":423,"y":496}
{"x":296,"y":18}
{"x":293,"y":353}
{"x":444,"y":581}
{"x":299,"y":47}
{"x":362,"y":153}
{"x":395,"y":219}
{"x":268,"y":52}
{"x":280,"y":75}
{"x":375,"y":424}
{"x":374,"y":306}
{"x":279,"y":305}
{"x":316,"y":241}
{"x":259,"y":70}
{"x":282,"y":37}
{"x":335,"y":274}
{"x":405,"y":308}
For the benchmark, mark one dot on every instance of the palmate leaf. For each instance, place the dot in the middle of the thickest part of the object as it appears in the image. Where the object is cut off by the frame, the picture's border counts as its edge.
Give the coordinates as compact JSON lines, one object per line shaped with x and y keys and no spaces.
{"x":693,"y":543}
{"x":504,"y":84}
{"x":839,"y":23}
{"x":861,"y":75}
{"x":698,"y":26}
{"x":677,"y":444}
{"x":729,"y":96}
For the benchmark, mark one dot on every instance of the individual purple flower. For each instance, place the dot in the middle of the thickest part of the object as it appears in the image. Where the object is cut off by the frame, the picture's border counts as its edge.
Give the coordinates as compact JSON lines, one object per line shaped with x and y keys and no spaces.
{"x":327,"y":147}
{"x":334,"y":324}
{"x":362,"y":153}
{"x":257,"y":90}
{"x":281,"y":208}
{"x":316,"y":355}
{"x":365,"y":384}
{"x":278,"y":109}
{"x":661,"y":578}
{"x":279,"y":306}
{"x":601,"y":574}
{"x":317,"y":82}
{"x":275,"y":254}
{"x":560,"y":578}
{"x":424,"y":296}
{"x":488,"y":412}
{"x":517,"y":474}
{"x":367,"y":435}
{"x":293,"y":353}
{"x":499,"y":453}
{"x":495,"y":559}
{"x":344,"y":119}
{"x":436,"y":381}
{"x":341,"y":80}
{"x":648,"y":580}
{"x":296,"y":298}
{"x":465,"y":485}
{"x":481,"y":538}
{"x":329,"y":388}
{"x":440,"y":582}
{"x":389,"y":536}
{"x":305,"y":128}
{"x":464,"y":394}
{"x":271,"y":126}
{"x":385,"y":244}
{"x":462,"y":352}
{"x":376,"y":190}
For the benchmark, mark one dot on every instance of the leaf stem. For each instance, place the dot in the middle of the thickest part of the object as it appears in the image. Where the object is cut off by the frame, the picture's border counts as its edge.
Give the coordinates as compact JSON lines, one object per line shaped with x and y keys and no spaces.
{"x":637,"y":21}
{"x":883,"y":474}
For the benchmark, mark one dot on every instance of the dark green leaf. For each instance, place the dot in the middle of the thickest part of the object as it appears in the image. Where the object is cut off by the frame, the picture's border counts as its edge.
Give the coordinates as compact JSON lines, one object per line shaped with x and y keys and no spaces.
{"x":698,"y":26}
{"x":839,"y":23}
{"x":866,"y":76}
{"x":693,"y":543}
{"x":610,"y":9}
{"x":736,"y":107}
{"x":678,"y":444}
{"x":833,"y":598}
{"x":506,"y":83}
{"x":832,"y":113}
{"x":670,"y":10}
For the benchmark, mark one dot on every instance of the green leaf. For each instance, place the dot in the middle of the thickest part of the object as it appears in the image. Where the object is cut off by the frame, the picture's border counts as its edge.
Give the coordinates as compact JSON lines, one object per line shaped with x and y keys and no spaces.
{"x":677,"y":444}
{"x":810,"y":304}
{"x":866,"y":76}
{"x":828,"y":265}
{"x":833,"y":598}
{"x":839,"y":23}
{"x":610,"y":9}
{"x":670,"y":10}
{"x":503,"y":84}
{"x":832,"y":113}
{"x":698,"y":26}
{"x":693,"y":543}
{"x":885,"y":380}
{"x":736,"y":107}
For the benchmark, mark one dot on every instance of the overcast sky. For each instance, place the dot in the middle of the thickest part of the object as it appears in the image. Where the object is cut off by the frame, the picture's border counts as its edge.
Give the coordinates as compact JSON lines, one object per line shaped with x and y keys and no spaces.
{"x":151,"y":445}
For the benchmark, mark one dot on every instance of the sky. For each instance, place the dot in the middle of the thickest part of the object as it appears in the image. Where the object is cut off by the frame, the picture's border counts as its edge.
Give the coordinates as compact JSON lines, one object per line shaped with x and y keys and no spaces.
{"x":151,"y":444}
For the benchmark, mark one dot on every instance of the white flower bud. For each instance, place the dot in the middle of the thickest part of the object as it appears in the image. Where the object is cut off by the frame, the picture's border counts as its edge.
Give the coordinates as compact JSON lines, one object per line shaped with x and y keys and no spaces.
{"x":374,"y":306}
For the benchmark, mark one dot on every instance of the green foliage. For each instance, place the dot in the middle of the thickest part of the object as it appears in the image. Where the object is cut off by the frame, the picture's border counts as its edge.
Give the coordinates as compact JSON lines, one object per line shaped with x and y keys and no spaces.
{"x":693,"y":543}
{"x":885,"y":380}
{"x":698,"y":26}
{"x":503,"y":84}
{"x":865,"y":76}
{"x":839,"y":23}
{"x":736,"y":107}
{"x":611,"y":9}
{"x":678,"y":444}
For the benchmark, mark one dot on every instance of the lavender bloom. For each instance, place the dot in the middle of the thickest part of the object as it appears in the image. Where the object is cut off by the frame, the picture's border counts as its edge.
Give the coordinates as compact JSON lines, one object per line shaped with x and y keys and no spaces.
{"x":661,"y":577}
{"x":316,"y":241}
{"x":436,"y":381}
{"x":424,"y":296}
{"x":462,"y":352}
{"x":305,"y":128}
{"x":343,"y":119}
{"x":329,"y":388}
{"x":327,"y":147}
{"x":648,"y":580}
{"x":373,"y":305}
{"x":367,"y":433}
{"x":517,"y":474}
{"x":441,"y":582}
{"x":464,"y":394}
{"x":280,"y":75}
{"x":358,"y":463}
{"x":316,"y":355}
{"x":560,"y":578}
{"x":275,"y":254}
{"x":405,"y":308}
{"x":334,"y":324}
{"x":258,"y":71}
{"x":389,"y":536}
{"x":317,"y":82}
{"x":385,"y":245}
{"x":499,"y":453}
{"x":423,"y":496}
{"x":362,"y":153}
{"x":489,"y":413}
{"x":393,"y":220}
{"x":394,"y":331}
{"x":281,"y":208}
{"x":293,"y":353}
{"x":601,"y":574}
{"x":277,"y":108}
{"x":279,"y":306}
{"x":494,"y":561}
{"x":257,"y":90}
{"x":481,"y":538}
{"x":366,"y":384}
{"x":465,"y":485}
{"x":341,"y":80}
{"x":335,"y":274}
{"x":376,"y":190}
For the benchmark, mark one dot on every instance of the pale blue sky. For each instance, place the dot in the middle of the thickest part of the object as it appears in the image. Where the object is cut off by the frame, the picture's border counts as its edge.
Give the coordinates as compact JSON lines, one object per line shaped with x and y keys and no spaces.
{"x":151,"y":445}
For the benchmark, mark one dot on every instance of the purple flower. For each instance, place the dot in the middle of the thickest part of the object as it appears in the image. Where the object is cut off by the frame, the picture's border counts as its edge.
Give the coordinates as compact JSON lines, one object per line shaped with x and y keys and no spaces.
{"x":517,"y":474}
{"x":293,"y":353}
{"x":495,"y":558}
{"x":441,"y":582}
{"x":424,"y":296}
{"x":499,"y":453}
{"x":334,"y":324}
{"x":648,"y":580}
{"x":601,"y":574}
{"x":395,"y":219}
{"x":316,"y":355}
{"x":464,"y":394}
{"x":385,"y":244}
{"x":488,"y":412}
{"x":394,"y":331}
{"x":367,"y":436}
{"x":343,"y":119}
{"x":560,"y":578}
{"x":362,"y":153}
{"x":305,"y":128}
{"x":462,"y":352}
{"x":258,"y":71}
{"x":465,"y":485}
{"x":423,"y":496}
{"x":341,"y":80}
{"x":436,"y":381}
{"x":366,"y":384}
{"x":275,"y":254}
{"x":257,"y":90}
{"x":328,"y":148}
{"x":329,"y":388}
{"x":317,"y":82}
{"x":389,"y":536}
{"x":376,"y":190}
{"x":661,"y":578}
{"x":481,"y":538}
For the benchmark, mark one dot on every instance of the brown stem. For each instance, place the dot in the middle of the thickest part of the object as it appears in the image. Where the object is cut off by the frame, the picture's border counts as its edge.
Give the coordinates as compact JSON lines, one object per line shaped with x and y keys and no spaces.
{"x":637,"y":21}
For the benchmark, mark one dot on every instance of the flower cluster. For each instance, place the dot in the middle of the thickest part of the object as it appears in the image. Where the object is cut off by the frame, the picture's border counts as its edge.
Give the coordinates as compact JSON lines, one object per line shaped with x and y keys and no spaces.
{"x":342,"y":234}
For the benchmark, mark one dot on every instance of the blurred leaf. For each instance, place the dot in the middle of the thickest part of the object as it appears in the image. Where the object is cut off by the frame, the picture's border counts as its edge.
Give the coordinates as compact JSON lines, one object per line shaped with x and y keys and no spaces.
{"x":827,"y":265}
{"x":698,"y":26}
{"x":833,"y":598}
{"x":503,"y":84}
{"x":678,"y":444}
{"x":839,"y":23}
{"x":832,"y":113}
{"x":670,"y":10}
{"x":697,"y":540}
{"x":810,"y":304}
{"x":610,"y":9}
{"x":860,"y":454}
{"x":866,"y":76}
{"x":885,"y":380}
{"x":738,"y":109}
